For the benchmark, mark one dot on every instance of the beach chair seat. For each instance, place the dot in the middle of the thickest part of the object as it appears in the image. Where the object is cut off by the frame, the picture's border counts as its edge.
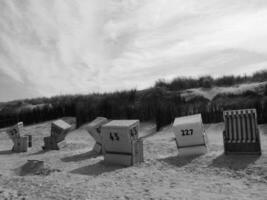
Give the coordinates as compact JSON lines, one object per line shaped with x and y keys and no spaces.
{"x":190,"y":135}
{"x":20,"y":144}
{"x":122,"y":143}
{"x":241,"y":134}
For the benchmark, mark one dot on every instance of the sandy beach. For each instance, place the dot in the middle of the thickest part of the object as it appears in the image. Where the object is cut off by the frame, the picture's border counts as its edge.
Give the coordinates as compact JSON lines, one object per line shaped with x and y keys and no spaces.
{"x":75,"y":172}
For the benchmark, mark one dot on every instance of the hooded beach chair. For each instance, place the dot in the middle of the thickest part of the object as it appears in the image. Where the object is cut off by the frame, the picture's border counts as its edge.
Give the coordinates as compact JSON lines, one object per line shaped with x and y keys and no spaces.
{"x":59,"y":130}
{"x":122,"y":143}
{"x":190,"y":135}
{"x":94,"y":129}
{"x":20,"y":142}
{"x":241,"y":134}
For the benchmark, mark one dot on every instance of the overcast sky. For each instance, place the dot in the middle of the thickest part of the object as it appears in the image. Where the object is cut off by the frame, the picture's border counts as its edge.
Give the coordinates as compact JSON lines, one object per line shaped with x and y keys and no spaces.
{"x":51,"y":47}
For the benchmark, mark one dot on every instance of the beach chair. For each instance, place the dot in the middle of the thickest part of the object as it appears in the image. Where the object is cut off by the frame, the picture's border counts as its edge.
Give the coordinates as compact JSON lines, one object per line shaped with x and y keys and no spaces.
{"x":59,"y":130}
{"x":94,"y":129}
{"x":122,"y":143}
{"x":20,"y":142}
{"x":241,"y":134}
{"x":190,"y":135}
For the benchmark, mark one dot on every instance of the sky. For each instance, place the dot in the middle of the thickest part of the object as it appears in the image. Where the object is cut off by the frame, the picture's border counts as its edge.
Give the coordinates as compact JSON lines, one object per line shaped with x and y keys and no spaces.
{"x":55,"y":47}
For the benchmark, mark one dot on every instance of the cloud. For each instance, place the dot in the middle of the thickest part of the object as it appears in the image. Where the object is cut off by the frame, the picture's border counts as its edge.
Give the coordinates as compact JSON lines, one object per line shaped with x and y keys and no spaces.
{"x":70,"y":46}
{"x":49,"y":41}
{"x":12,"y":89}
{"x":180,"y":38}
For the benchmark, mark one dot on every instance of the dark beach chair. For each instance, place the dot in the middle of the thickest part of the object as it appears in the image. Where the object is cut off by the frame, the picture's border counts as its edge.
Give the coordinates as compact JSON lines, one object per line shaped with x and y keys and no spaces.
{"x":241,"y":134}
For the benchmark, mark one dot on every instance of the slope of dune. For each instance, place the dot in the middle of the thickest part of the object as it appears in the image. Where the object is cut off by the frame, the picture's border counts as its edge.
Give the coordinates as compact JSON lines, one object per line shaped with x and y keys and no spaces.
{"x":75,"y":172}
{"x":210,"y":93}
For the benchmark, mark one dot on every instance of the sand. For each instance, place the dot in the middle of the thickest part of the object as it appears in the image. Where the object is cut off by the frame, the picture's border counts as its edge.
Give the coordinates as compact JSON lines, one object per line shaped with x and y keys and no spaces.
{"x":210,"y":93}
{"x":75,"y":172}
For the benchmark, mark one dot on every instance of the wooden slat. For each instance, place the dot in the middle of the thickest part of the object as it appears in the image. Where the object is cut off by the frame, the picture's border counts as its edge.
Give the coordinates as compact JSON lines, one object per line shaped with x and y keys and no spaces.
{"x":248,"y":127}
{"x":243,"y":127}
{"x":230,"y":128}
{"x":234,"y":133}
{"x":227,"y":126}
{"x":239,"y":131}
{"x":254,"y":127}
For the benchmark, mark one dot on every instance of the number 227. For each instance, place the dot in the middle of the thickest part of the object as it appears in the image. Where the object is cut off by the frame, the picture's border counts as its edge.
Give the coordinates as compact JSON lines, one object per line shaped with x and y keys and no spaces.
{"x":187,"y":132}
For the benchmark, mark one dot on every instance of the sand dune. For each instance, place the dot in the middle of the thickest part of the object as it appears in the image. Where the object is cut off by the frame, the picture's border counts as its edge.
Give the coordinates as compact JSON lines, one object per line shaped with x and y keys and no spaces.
{"x":75,"y":172}
{"x":211,"y":93}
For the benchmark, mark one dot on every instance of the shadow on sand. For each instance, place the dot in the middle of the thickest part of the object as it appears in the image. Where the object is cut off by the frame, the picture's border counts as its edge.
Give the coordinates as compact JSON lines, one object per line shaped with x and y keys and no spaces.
{"x":179,"y":161}
{"x":96,"y":169}
{"x":235,"y":162}
{"x":6,"y":152}
{"x":39,"y":152}
{"x":80,"y":157}
{"x":30,"y":167}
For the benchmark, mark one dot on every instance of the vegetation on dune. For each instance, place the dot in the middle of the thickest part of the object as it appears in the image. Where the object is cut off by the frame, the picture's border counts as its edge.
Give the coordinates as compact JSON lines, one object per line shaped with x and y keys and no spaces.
{"x":181,"y":83}
{"x":161,"y":103}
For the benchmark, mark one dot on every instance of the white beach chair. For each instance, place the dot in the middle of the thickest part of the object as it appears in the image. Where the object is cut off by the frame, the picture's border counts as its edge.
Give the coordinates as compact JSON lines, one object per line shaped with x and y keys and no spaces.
{"x":122,"y":143}
{"x":190,"y":135}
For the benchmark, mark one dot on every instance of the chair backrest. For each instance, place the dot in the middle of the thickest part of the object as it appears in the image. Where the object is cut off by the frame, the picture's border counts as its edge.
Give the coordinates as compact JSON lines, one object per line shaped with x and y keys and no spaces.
{"x":15,"y":131}
{"x":189,"y":131}
{"x":59,"y":130}
{"x":241,"y":126}
{"x":118,"y":135}
{"x":94,"y":128}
